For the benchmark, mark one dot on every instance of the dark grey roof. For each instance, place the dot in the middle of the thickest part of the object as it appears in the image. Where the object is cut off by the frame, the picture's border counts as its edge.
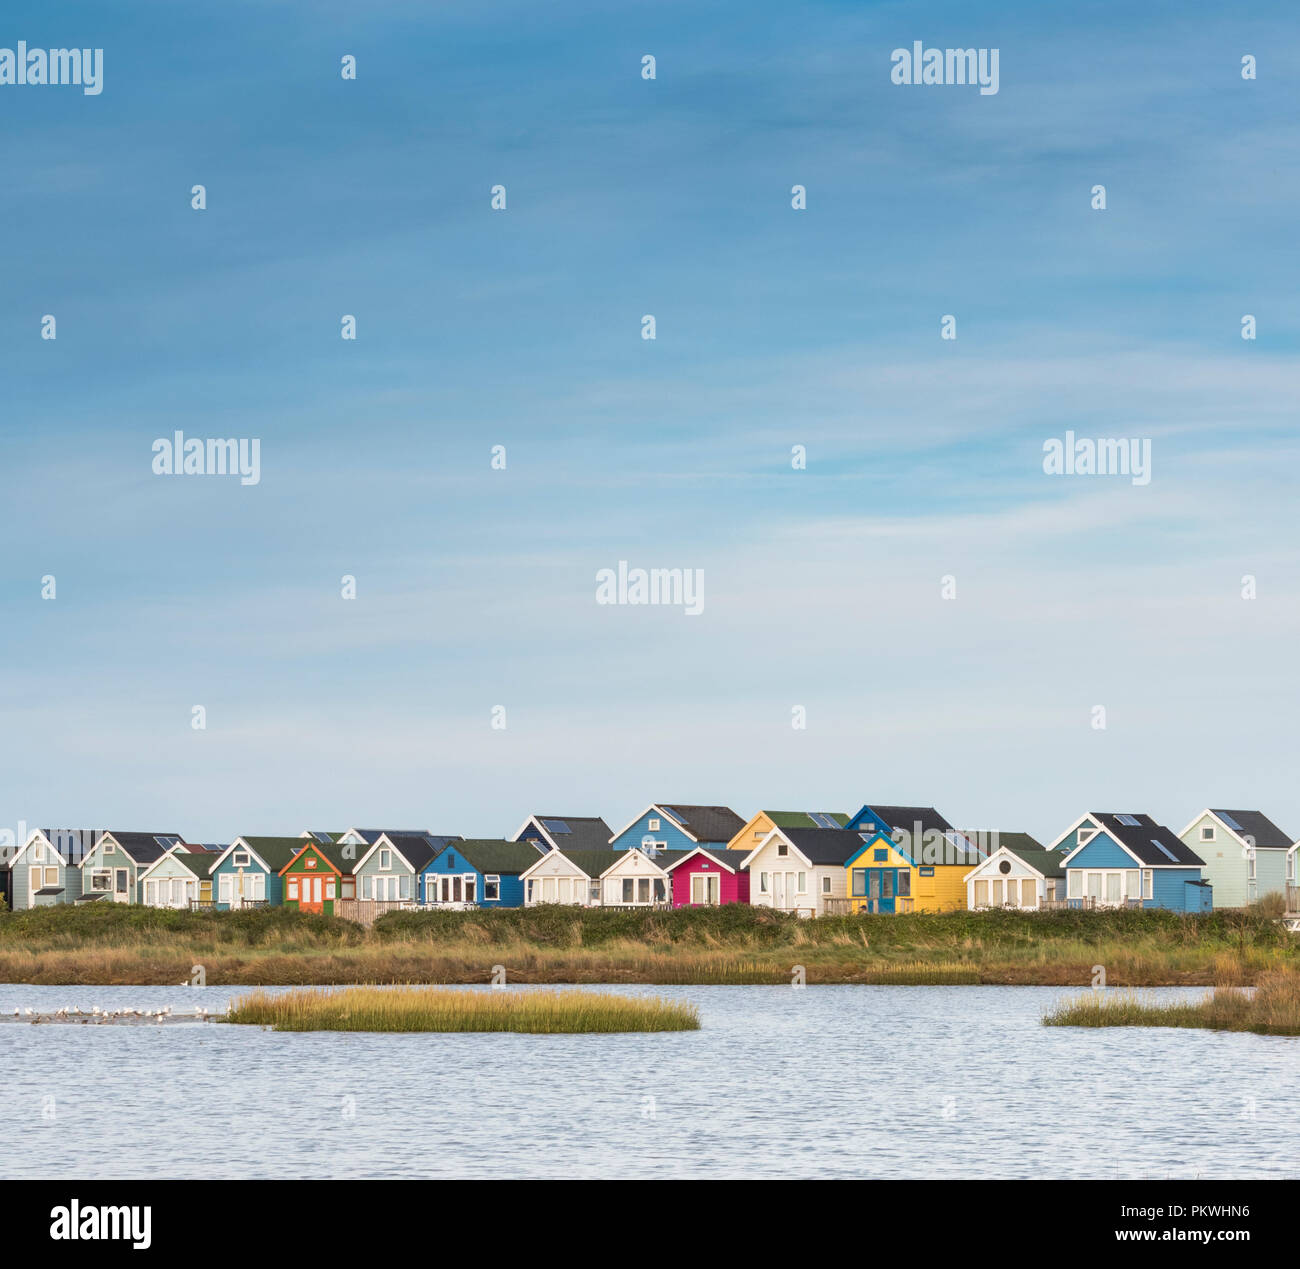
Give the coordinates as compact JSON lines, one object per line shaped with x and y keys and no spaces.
{"x":1257,"y":825}
{"x":144,"y":848}
{"x":586,"y":832}
{"x":1145,"y":838}
{"x":905,"y":818}
{"x":732,"y":858}
{"x":372,"y":835}
{"x":704,"y":823}
{"x":824,"y":845}
{"x":417,"y":850}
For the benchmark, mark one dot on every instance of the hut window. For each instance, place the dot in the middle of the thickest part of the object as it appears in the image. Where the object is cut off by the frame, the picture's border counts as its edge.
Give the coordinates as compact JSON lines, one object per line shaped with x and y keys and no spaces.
{"x":762,"y":883}
{"x":241,"y":859}
{"x":293,"y":887}
{"x":643,"y":889}
{"x":51,"y":876}
{"x":880,"y":854}
{"x":981,"y":894}
{"x":1004,"y":867}
{"x":826,"y":885}
{"x":1076,"y":884}
{"x":471,"y":884}
{"x":801,"y":886}
{"x":859,"y":883}
{"x":1207,"y":832}
{"x":329,"y":887}
{"x":782,"y":849}
{"x":653,"y":826}
{"x":1252,"y":866}
{"x":404,"y":887}
{"x":491,"y":887}
{"x":904,"y":883}
{"x":101,"y":879}
{"x":223,"y":888}
{"x":1028,"y":893}
{"x":366,"y":883}
{"x":1147,"y":879}
{"x":385,"y":860}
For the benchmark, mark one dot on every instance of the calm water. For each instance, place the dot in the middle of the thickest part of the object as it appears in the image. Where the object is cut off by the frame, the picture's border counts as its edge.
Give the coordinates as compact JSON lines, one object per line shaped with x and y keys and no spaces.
{"x":824,"y":1082}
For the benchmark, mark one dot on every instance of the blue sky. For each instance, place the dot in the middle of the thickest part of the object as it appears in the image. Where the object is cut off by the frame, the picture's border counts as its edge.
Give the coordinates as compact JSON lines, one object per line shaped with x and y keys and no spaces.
{"x":521,"y":328}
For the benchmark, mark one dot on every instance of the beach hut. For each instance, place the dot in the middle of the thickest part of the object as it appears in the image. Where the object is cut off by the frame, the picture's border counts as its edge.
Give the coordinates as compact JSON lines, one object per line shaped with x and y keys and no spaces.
{"x":661,"y":827}
{"x":801,"y":870}
{"x":41,"y":874}
{"x":1245,"y":855}
{"x":247,"y":873}
{"x":565,"y":832}
{"x":112,"y":867}
{"x":708,"y":878}
{"x":1118,"y":859}
{"x":565,"y":876}
{"x":392,"y":868}
{"x":319,"y":875}
{"x":759,"y":826}
{"x":478,"y":873}
{"x":638,"y":878}
{"x":179,"y":877}
{"x":1020,"y":873}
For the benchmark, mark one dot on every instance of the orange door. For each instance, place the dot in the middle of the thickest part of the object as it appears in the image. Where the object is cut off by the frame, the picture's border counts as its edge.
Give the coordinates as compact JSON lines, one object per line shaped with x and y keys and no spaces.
{"x":309,"y":890}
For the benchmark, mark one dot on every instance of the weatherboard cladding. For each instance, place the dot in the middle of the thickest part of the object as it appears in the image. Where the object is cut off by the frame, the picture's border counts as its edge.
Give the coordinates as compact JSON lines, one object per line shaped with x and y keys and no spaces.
{"x":1257,"y":825}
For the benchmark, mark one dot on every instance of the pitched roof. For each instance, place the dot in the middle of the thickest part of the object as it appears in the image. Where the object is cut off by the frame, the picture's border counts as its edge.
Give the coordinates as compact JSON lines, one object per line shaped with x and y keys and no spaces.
{"x":733,"y":859}
{"x":803,"y":819}
{"x":1257,"y":825}
{"x":823,"y":845}
{"x":592,"y":862}
{"x":1145,"y":839}
{"x":200,"y":863}
{"x":345,"y":856}
{"x":905,"y":818}
{"x":418,"y":849}
{"x":144,"y":848}
{"x":275,"y":852}
{"x":584,"y":832}
{"x":1034,"y":853}
{"x":494,"y":855}
{"x":704,"y":823}
{"x":372,"y":835}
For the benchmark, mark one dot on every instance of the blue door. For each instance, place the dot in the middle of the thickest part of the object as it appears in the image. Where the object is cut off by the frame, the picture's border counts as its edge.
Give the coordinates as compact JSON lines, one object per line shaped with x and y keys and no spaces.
{"x":882,"y":889}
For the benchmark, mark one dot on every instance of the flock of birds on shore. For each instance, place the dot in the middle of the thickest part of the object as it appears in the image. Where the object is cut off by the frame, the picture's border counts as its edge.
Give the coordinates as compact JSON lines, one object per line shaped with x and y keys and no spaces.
{"x":68,"y":1014}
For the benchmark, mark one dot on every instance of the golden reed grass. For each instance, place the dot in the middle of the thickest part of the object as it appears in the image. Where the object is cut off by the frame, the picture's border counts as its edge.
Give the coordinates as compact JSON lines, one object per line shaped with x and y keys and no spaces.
{"x":1272,"y":1009}
{"x":443,"y":1009}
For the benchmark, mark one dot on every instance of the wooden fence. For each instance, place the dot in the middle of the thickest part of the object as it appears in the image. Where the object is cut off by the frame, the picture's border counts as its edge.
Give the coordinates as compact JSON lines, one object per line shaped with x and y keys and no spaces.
{"x":368,"y":911}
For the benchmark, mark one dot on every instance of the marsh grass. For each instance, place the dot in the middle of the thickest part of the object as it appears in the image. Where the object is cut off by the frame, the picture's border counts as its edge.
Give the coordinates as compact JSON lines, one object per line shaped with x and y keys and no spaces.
{"x":442,"y":1009}
{"x":1272,"y":1008}
{"x":118,"y":943}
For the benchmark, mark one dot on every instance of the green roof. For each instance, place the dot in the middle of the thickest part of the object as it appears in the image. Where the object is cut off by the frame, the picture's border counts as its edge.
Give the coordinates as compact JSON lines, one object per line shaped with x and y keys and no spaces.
{"x":494,"y":855}
{"x":276,"y":851}
{"x":592,"y":862}
{"x":196,"y":863}
{"x":1032,"y":852}
{"x":345,"y":863}
{"x":801,"y":819}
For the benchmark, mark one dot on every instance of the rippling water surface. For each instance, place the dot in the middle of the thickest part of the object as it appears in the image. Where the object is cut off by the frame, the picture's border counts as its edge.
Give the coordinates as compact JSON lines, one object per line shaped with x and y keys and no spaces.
{"x":824,"y":1082}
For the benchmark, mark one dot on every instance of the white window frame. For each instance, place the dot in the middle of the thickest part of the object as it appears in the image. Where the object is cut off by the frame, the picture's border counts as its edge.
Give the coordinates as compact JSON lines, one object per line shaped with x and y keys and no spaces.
{"x":1207,"y":832}
{"x":492,"y":887}
{"x":105,"y":874}
{"x":241,"y":859}
{"x":385,"y":860}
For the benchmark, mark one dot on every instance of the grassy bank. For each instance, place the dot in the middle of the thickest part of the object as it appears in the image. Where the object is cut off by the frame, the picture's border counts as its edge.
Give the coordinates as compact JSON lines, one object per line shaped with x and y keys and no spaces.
{"x":442,"y":1009}
{"x":110,"y":943}
{"x":1272,"y":1008}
